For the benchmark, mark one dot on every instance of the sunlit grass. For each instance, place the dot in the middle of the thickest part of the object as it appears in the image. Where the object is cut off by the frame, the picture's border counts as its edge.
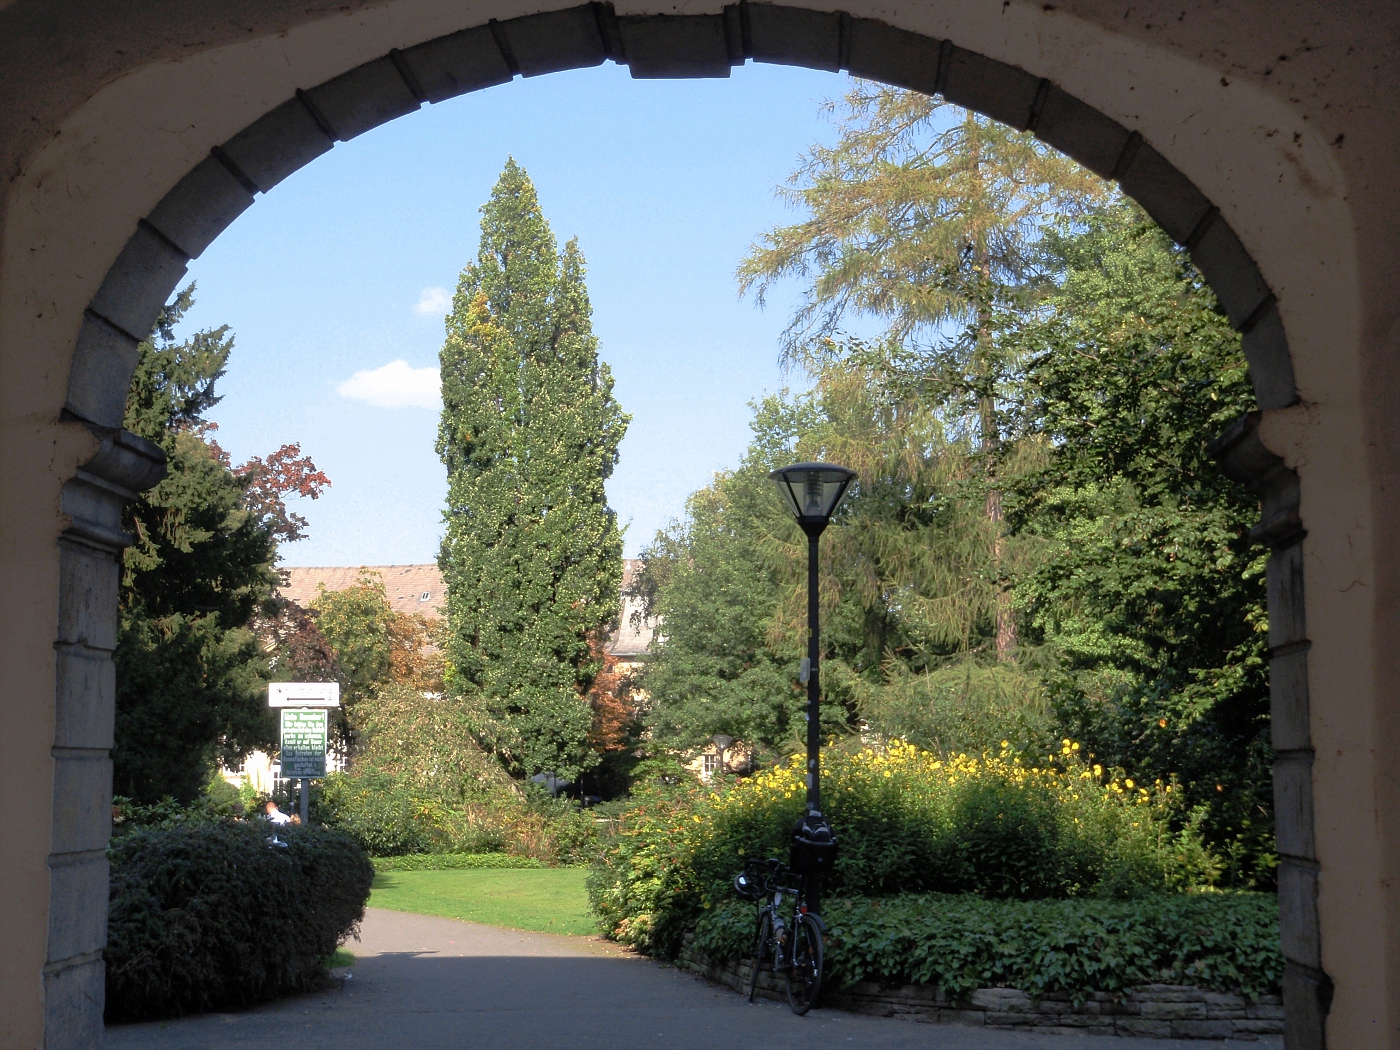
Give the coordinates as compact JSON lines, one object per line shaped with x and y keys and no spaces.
{"x":550,"y":900}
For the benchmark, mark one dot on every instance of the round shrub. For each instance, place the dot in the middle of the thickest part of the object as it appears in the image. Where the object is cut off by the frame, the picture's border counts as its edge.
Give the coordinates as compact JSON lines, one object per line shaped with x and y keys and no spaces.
{"x":219,"y":915}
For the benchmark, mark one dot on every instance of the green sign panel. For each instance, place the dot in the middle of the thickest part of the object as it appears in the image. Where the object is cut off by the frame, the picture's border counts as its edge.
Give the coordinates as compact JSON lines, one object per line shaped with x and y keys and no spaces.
{"x":303,"y":743}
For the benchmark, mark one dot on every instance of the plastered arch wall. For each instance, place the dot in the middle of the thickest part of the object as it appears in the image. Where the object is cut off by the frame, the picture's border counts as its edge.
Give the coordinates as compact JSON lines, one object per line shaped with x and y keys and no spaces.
{"x":191,"y":159}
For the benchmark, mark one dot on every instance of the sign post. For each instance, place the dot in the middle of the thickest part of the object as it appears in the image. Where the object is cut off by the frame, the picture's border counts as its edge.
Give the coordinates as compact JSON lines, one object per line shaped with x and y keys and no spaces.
{"x":305,"y":721}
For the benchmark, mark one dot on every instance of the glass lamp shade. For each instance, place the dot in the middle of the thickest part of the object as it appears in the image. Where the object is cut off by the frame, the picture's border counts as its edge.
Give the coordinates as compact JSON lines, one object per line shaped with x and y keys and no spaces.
{"x":812,"y":491}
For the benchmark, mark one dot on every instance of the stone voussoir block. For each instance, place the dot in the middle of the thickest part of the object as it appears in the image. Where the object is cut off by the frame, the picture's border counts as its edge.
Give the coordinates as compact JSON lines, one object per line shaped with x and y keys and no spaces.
{"x":555,"y":40}
{"x":277,"y":144}
{"x":1164,"y":193}
{"x":1293,"y":805}
{"x":139,"y":282}
{"x":1223,"y":260}
{"x":794,"y":36}
{"x":85,"y":698}
{"x":74,"y":998}
{"x":893,"y":56}
{"x":1005,"y":93}
{"x":103,"y":363}
{"x":201,"y":206}
{"x":1289,"y":728}
{"x":674,"y":46}
{"x":78,"y":890}
{"x":1080,"y":131}
{"x":1270,"y":363}
{"x":82,"y":801}
{"x":454,"y":65}
{"x":88,"y":586}
{"x":363,"y":98}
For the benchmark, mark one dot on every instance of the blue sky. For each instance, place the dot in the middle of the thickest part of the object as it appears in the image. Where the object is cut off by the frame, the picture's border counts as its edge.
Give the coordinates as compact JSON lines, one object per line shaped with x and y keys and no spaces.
{"x":329,"y":282}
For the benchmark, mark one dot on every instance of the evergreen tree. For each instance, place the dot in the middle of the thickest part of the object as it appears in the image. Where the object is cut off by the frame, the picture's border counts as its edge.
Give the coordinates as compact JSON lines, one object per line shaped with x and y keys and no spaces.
{"x":191,"y":674}
{"x":532,"y":554}
{"x":925,"y":217}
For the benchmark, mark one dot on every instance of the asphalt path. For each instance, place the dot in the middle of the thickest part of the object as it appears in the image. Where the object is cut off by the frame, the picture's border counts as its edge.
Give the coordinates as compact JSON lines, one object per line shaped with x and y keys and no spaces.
{"x":421,"y":981}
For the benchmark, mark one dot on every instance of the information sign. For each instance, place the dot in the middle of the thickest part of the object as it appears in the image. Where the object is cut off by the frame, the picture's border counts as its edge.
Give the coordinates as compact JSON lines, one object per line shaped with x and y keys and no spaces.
{"x":303,"y":694}
{"x":303,"y":743}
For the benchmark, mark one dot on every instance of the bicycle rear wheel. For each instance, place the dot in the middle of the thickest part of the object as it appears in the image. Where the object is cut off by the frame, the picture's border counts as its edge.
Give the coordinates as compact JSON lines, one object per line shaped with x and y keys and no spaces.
{"x":762,"y":952}
{"x":804,"y":976}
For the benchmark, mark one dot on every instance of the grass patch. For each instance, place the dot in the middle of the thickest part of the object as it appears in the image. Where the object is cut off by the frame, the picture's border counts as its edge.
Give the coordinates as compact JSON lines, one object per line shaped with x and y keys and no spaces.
{"x":452,"y":861}
{"x":342,"y":957}
{"x":547,"y":900}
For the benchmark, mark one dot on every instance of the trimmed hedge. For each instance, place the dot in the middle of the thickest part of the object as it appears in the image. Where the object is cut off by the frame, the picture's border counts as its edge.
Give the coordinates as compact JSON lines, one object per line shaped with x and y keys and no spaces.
{"x":1216,"y":941}
{"x":218,"y":915}
{"x":453,"y":862}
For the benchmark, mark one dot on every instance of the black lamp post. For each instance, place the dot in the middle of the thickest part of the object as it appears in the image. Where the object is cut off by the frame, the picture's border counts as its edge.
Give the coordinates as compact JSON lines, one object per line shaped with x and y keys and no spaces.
{"x":812,"y":492}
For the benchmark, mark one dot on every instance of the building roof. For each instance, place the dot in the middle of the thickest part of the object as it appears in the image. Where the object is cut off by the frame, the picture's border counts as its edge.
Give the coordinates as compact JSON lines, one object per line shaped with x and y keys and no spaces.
{"x":420,"y":589}
{"x":410,"y":588}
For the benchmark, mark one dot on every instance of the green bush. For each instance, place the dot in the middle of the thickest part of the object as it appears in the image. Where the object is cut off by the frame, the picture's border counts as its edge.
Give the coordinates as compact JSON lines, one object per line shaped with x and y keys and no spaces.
{"x":1218,"y":941}
{"x":392,"y":816}
{"x":212,"y":915}
{"x":907,"y":822}
{"x":453,"y":862}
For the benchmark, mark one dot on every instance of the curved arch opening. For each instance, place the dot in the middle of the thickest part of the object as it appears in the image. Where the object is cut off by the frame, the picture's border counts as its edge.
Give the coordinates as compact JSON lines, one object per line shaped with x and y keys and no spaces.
{"x":306,"y":126}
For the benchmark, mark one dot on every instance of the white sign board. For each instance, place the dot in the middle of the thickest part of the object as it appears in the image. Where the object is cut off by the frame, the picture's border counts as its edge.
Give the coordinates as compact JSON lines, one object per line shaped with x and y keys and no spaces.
{"x":303,"y":694}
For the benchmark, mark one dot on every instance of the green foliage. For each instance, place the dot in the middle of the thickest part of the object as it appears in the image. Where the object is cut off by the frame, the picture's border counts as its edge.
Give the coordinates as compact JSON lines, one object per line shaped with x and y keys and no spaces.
{"x":1226,"y":942}
{"x":711,"y":583}
{"x":1148,"y":587}
{"x":211,"y":915}
{"x":907,"y":822}
{"x":189,"y":672}
{"x":453,"y":862}
{"x":529,"y":434}
{"x":959,"y":707}
{"x":356,"y":623}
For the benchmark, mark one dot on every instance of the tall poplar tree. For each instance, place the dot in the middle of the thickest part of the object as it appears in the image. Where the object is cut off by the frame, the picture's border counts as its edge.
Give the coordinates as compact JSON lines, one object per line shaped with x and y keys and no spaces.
{"x":532,"y":554}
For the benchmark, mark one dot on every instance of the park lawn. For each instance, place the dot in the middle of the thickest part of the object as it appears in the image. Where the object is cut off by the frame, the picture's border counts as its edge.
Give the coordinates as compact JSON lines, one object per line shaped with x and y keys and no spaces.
{"x":544,"y":900}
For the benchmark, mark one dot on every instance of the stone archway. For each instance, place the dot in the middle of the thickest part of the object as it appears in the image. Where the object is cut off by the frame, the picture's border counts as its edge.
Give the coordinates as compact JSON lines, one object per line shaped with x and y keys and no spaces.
{"x":220,"y":186}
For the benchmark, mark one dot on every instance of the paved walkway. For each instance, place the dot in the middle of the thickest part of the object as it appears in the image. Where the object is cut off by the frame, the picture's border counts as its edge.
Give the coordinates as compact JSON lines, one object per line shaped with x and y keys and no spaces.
{"x":439,"y":983}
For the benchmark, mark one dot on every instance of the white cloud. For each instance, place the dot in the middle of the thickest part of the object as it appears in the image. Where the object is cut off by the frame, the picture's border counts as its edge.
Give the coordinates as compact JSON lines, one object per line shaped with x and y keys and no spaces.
{"x":433,"y":301}
{"x":395,"y":385}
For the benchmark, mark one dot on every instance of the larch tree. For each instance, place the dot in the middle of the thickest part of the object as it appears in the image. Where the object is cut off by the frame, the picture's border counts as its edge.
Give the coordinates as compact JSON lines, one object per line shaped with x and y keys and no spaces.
{"x":530,"y":429}
{"x":926,"y":218}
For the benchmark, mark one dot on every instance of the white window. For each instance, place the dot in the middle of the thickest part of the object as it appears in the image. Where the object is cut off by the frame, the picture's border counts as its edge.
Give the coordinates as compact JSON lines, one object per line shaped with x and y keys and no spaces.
{"x":708,"y":764}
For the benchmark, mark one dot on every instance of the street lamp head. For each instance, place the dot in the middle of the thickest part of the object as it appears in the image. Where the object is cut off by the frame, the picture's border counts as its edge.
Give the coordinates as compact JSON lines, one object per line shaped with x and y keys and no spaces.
{"x":812,"y":491}
{"x":722,"y":741}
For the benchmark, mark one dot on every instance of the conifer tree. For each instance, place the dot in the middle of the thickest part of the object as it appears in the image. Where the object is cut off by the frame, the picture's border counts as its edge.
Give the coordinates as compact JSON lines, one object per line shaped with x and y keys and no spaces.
{"x":927,"y":217}
{"x":532,"y":554}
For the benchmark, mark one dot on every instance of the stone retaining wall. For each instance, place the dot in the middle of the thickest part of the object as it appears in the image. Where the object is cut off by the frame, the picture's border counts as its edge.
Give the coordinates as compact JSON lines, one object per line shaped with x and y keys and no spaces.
{"x":1164,"y":1011}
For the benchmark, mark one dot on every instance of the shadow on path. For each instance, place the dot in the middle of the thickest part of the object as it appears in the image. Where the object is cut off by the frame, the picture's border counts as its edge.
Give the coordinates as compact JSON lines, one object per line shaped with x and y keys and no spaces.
{"x":427,"y":982}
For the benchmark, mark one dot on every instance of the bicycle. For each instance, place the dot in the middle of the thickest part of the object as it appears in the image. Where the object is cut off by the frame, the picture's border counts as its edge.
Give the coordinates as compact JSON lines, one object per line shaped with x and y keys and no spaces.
{"x":797,"y":952}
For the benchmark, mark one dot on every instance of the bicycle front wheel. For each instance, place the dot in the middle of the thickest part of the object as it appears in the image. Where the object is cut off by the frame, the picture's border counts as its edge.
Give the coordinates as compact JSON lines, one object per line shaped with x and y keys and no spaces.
{"x":762,"y":951}
{"x":804,"y":976}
